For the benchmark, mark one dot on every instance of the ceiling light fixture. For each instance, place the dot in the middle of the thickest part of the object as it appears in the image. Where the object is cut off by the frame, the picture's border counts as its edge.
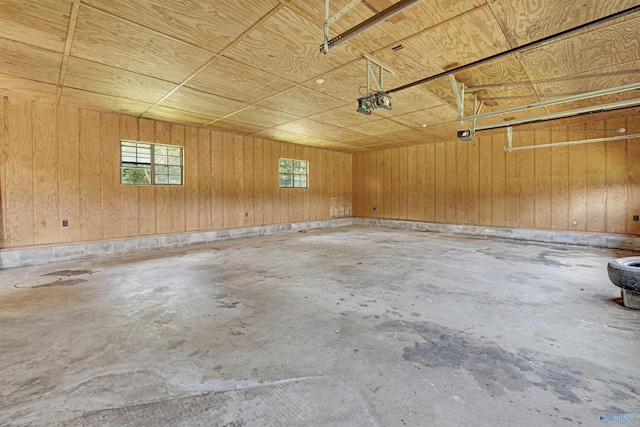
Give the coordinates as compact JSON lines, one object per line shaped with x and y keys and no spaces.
{"x":320,"y":81}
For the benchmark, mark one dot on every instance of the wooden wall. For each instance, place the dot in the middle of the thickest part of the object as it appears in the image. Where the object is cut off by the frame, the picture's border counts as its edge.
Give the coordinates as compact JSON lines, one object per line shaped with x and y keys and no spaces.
{"x":590,"y":187}
{"x":61,"y":163}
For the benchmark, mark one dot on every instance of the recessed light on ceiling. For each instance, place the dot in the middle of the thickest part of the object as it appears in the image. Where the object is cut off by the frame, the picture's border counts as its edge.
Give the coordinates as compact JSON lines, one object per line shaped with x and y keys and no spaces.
{"x":424,"y":125}
{"x":320,"y":81}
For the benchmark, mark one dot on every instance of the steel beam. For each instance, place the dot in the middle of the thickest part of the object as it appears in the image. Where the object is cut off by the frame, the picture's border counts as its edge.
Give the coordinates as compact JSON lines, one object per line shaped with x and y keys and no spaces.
{"x":365,"y":25}
{"x":571,"y":98}
{"x":561,"y":114}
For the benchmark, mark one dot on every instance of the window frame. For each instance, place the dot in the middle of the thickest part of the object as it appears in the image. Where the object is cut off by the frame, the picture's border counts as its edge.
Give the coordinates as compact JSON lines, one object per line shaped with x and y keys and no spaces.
{"x":152,"y":163}
{"x":293,"y":174}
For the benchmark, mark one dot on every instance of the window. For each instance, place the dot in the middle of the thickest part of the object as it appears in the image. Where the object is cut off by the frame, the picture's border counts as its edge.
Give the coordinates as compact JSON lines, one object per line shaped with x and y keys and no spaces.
{"x":294,"y":173}
{"x":142,"y":163}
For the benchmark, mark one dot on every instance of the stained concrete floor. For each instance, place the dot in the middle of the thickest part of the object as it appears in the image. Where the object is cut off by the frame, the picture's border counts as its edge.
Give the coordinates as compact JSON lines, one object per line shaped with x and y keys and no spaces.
{"x":353,"y":326}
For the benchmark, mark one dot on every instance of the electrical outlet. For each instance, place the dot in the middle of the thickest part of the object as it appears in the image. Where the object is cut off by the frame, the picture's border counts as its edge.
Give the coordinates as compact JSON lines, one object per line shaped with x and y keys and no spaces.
{"x":635,"y":217}
{"x":246,"y":214}
{"x":374,"y":208}
{"x":65,"y":222}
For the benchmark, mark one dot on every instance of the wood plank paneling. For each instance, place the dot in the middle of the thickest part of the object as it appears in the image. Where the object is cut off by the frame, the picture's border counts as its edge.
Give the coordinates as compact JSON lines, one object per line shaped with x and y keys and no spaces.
{"x":387,"y":196}
{"x":315,"y":184}
{"x":191,"y":178}
{"x":129,"y":197}
{"x":473,"y":185}
{"x":327,"y":170}
{"x":217,"y":173}
{"x":395,"y":172}
{"x":633,"y":173}
{"x":45,"y":170}
{"x":176,"y":193}
{"x":527,"y":179}
{"x":380,"y":173}
{"x":270,"y":183}
{"x":462,"y":179}
{"x":485,"y":214}
{"x":560,"y":182}
{"x":616,"y":181}
{"x":451,"y":183}
{"x":238,"y":177}
{"x":358,"y":193}
{"x":296,"y":201}
{"x":64,"y":163}
{"x":512,"y":188}
{"x":545,"y":188}
{"x":440,"y":181}
{"x":90,"y":176}
{"x":577,"y":187}
{"x":230,"y":196}
{"x":147,"y":193}
{"x":543,"y":181}
{"x":249,"y":179}
{"x":366,"y":177}
{"x":19,"y":173}
{"x":283,"y":193}
{"x":205,"y":180}
{"x":110,"y":175}
{"x":596,"y":183}
{"x":420,"y":182}
{"x":164,"y":208}
{"x":403,"y":191}
{"x":347,"y":179}
{"x":3,"y":175}
{"x":258,"y":181}
{"x":499,"y":181}
{"x":430,"y":182}
{"x":306,"y":196}
{"x":369,"y":184}
{"x":412,"y":188}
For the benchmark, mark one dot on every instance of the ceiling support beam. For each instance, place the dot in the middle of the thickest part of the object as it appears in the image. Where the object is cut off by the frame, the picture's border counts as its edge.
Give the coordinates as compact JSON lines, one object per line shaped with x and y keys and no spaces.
{"x":361,"y":27}
{"x":578,"y":97}
{"x":510,"y":148}
{"x":73,"y":19}
{"x":522,"y":48}
{"x":562,"y":114}
{"x":458,"y":91}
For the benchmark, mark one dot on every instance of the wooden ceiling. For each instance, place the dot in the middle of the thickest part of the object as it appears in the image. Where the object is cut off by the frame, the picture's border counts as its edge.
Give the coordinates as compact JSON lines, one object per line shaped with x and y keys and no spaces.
{"x":250,"y":66}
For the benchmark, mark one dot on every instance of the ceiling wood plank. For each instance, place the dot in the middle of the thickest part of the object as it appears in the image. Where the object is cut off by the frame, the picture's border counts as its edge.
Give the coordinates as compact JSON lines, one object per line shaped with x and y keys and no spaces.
{"x":67,"y":46}
{"x":210,"y":25}
{"x":118,"y":43}
{"x":525,"y":21}
{"x":250,"y":66}
{"x":187,"y":79}
{"x":39,"y":23}
{"x":29,"y":62}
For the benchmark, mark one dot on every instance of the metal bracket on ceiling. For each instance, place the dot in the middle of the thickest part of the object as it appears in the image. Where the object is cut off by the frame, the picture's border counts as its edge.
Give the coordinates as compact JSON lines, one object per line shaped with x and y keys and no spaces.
{"x":458,"y":91}
{"x":373,"y":100}
{"x":570,"y":98}
{"x":377,"y":78}
{"x":511,"y":148}
{"x":363,"y":26}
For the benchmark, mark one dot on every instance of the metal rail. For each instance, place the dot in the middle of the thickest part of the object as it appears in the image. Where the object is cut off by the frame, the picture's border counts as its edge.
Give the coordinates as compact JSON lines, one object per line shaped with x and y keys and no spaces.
{"x":517,"y":49}
{"x":363,"y":26}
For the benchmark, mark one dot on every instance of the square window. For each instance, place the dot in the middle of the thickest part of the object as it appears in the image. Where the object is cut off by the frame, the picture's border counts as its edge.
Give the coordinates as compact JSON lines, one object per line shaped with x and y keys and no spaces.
{"x":293,"y":173}
{"x":142,"y":163}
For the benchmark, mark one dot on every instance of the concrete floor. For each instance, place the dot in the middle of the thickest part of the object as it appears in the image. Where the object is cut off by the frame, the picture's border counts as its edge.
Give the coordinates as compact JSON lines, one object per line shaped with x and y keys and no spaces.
{"x":353,"y":326}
